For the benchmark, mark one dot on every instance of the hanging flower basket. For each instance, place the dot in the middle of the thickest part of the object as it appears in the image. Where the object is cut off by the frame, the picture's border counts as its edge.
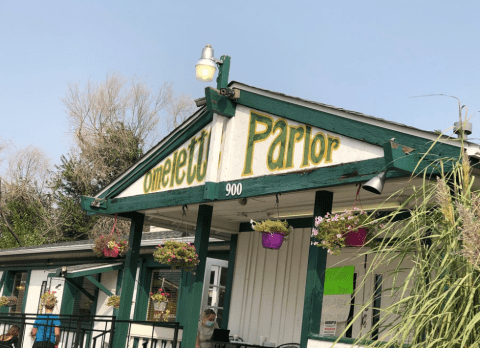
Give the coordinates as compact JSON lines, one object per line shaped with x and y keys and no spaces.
{"x":113,"y":301}
{"x":160,"y":300}
{"x":160,"y":306}
{"x":356,"y":238}
{"x":334,"y":232}
{"x":274,"y":232}
{"x":110,"y":245}
{"x":178,"y":255}
{"x":272,"y":240}
{"x":48,"y":299}
{"x":8,"y":301}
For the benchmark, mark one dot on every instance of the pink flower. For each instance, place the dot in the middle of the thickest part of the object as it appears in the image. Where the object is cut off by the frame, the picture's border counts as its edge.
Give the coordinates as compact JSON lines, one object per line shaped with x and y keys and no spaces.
{"x":339,"y":235}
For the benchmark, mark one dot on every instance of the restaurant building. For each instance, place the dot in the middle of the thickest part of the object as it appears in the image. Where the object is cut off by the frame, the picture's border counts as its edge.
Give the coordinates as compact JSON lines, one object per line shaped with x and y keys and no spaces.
{"x":250,"y":154}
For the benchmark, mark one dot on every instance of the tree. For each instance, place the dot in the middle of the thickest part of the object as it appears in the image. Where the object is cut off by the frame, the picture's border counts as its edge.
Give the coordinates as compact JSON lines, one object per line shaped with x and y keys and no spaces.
{"x":112,"y":123}
{"x":27,"y":214}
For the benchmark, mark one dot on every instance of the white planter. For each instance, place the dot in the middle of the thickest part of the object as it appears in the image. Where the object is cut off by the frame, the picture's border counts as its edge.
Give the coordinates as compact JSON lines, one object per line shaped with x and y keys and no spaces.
{"x":160,"y":306}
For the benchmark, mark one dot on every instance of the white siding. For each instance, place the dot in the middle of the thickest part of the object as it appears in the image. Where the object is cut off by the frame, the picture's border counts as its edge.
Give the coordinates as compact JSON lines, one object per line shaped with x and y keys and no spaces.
{"x":269,"y":288}
{"x":322,"y":344}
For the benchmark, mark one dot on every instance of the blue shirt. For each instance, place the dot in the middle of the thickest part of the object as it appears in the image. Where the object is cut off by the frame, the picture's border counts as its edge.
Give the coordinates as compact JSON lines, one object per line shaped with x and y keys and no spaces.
{"x":46,"y":328}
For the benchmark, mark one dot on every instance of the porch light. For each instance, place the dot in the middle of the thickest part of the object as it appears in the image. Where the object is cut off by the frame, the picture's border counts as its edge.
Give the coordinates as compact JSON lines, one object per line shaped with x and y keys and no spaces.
{"x":207,"y":65}
{"x":375,"y":185}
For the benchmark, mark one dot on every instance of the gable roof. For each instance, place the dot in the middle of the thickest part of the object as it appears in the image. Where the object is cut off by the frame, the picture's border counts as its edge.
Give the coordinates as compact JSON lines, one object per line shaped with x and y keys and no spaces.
{"x":353,"y":125}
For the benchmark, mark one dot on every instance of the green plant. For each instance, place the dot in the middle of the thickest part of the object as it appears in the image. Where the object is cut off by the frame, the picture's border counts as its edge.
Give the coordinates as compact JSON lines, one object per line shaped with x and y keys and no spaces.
{"x":7,"y":300}
{"x":271,"y":226}
{"x":331,"y":231}
{"x":113,"y":301}
{"x":110,"y":245}
{"x":178,"y":255}
{"x":437,"y":297}
{"x":159,"y":296}
{"x":48,"y":299}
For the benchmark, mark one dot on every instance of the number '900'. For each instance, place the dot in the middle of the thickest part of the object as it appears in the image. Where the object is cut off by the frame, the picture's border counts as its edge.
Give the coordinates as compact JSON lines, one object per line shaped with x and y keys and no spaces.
{"x":234,"y":189}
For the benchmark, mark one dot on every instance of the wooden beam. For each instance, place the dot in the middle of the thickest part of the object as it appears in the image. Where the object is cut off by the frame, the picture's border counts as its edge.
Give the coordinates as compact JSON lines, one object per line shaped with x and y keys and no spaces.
{"x":317,"y":264}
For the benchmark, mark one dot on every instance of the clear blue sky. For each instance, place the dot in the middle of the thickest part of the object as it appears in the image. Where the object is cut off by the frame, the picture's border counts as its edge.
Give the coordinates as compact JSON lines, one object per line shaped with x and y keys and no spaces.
{"x":366,"y":56}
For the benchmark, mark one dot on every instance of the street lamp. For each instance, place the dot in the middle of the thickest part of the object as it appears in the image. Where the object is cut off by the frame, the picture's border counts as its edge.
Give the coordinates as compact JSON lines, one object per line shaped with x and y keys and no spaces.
{"x":207,"y":65}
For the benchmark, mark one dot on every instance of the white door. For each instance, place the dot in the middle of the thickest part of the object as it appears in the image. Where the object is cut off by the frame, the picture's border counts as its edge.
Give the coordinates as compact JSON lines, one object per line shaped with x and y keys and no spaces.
{"x":215,"y":283}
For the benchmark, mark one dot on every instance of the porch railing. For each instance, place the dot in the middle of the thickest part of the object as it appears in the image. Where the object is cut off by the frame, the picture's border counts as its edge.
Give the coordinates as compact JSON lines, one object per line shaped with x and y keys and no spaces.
{"x":98,"y":331}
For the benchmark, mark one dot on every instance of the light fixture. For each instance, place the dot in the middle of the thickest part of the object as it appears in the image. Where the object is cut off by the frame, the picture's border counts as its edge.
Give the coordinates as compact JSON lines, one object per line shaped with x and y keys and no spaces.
{"x":207,"y":65}
{"x":375,"y":185}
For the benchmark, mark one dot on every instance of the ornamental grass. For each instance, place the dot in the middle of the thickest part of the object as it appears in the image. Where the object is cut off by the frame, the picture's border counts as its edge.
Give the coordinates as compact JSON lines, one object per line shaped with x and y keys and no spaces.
{"x":437,"y":300}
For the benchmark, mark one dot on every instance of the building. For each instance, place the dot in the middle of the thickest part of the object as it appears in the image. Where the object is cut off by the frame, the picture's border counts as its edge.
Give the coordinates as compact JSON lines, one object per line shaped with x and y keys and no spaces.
{"x":259,"y":155}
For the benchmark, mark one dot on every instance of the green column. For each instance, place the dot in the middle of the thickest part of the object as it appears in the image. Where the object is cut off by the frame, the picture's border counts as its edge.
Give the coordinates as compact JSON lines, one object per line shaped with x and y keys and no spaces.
{"x":128,"y":281}
{"x":192,"y":284}
{"x":317,"y":263}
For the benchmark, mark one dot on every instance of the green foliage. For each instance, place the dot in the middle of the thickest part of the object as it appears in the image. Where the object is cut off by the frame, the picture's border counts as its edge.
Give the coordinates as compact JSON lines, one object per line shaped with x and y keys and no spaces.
{"x":270,"y":226}
{"x":433,"y":257}
{"x":331,"y":231}
{"x":113,"y":301}
{"x":178,"y":255}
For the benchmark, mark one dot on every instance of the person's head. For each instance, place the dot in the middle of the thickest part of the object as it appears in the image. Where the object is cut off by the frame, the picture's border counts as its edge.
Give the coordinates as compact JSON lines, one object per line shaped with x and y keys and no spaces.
{"x":13,"y":331}
{"x":208,"y":317}
{"x":49,"y":300}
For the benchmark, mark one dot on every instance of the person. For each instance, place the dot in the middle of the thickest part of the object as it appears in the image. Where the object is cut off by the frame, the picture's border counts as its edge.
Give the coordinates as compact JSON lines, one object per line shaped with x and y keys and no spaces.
{"x":10,"y":339}
{"x":206,"y":325}
{"x":46,"y":328}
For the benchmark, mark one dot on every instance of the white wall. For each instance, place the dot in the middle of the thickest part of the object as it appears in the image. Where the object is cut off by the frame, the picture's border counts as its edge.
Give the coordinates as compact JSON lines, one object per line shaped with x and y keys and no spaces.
{"x":269,"y":288}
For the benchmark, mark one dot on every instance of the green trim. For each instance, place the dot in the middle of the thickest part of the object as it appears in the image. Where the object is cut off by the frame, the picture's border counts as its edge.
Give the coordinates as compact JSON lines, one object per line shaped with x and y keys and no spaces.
{"x":219,"y":104}
{"x":223,"y":71}
{"x":192,"y":285}
{"x":128,"y":282}
{"x":153,"y":159}
{"x":211,"y":191}
{"x":229,"y":285}
{"x":68,"y":298}
{"x":350,"y":173}
{"x":317,"y":263}
{"x":77,"y":274}
{"x":344,"y":126}
{"x":8,"y":288}
{"x":80,"y":288}
{"x":99,"y":285}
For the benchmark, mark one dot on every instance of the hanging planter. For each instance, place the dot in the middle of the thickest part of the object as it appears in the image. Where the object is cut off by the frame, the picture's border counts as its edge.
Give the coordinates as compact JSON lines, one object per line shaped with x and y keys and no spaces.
{"x":178,"y":255}
{"x":356,"y":238}
{"x":110,"y":245}
{"x":274,"y":232}
{"x":8,"y":301}
{"x":334,"y":232}
{"x":160,"y":300}
{"x":160,"y":306}
{"x":113,"y":301}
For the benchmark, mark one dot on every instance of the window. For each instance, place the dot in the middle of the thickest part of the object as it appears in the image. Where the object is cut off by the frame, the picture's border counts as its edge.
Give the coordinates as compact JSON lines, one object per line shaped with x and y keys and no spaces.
{"x":17,"y":289}
{"x":82,"y":304}
{"x":169,"y":280}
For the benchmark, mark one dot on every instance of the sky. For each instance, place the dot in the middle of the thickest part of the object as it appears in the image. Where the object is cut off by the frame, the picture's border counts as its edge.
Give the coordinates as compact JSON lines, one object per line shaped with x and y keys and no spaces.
{"x":373,"y":57}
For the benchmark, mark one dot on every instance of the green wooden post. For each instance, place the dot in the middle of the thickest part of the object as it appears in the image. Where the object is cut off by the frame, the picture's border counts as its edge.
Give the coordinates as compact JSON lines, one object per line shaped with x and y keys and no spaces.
{"x":191,"y":294}
{"x":317,"y":263}
{"x":223,"y":71}
{"x":128,"y":281}
{"x":228,"y":290}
